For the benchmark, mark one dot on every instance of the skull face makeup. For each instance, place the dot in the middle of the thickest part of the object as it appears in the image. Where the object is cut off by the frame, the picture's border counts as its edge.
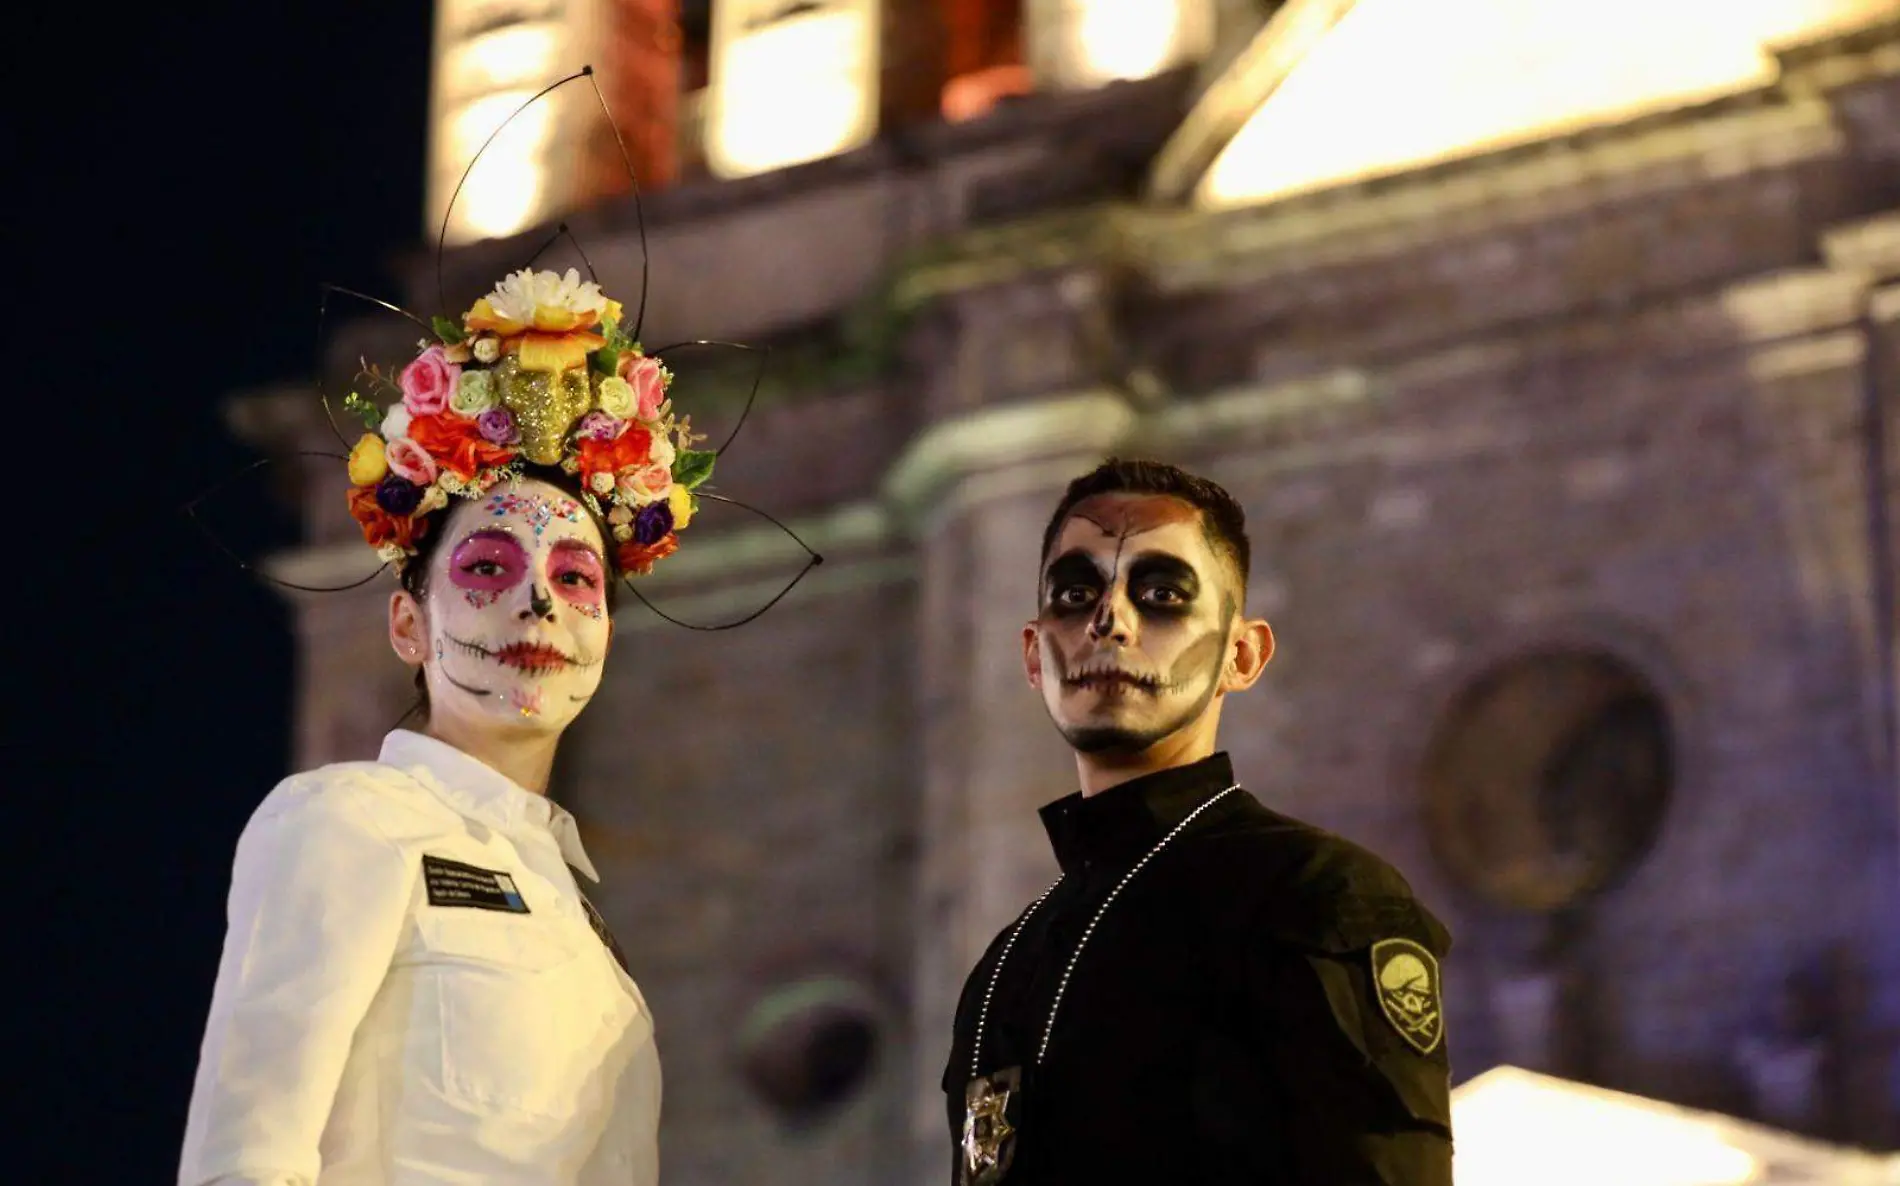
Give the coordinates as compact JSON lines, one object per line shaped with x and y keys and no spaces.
{"x":516,"y":611}
{"x":1131,"y":642}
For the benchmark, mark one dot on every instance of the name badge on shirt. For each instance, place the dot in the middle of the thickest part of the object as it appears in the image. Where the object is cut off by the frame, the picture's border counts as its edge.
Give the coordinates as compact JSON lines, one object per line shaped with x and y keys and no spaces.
{"x":451,"y":883}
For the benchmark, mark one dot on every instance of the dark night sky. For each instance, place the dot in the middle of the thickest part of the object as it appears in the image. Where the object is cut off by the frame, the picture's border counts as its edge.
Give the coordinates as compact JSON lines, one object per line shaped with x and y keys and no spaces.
{"x":189,"y":175}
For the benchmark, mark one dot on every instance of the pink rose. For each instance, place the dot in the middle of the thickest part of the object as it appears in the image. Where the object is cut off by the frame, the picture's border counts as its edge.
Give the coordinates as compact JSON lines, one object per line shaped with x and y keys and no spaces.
{"x":648,"y":383}
{"x":429,"y":382}
{"x":410,"y":460}
{"x":657,"y":480}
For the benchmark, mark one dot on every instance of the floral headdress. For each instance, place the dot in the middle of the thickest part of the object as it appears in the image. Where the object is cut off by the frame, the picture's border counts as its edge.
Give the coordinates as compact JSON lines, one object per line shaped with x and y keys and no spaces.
{"x":538,"y":371}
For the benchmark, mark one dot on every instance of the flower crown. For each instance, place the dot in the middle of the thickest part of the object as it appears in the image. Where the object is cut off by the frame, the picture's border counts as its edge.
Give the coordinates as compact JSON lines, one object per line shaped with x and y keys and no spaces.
{"x":538,"y":372}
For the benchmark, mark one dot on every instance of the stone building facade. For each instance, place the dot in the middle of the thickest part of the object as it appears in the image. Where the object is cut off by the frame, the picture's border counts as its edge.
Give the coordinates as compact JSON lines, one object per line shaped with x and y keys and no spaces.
{"x":1573,"y":474}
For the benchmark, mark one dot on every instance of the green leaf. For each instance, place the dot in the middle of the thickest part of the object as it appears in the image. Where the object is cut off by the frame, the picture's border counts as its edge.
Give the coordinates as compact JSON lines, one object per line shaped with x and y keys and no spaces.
{"x":362,"y":409}
{"x":605,"y":361}
{"x":446,"y":329}
{"x":693,"y":466}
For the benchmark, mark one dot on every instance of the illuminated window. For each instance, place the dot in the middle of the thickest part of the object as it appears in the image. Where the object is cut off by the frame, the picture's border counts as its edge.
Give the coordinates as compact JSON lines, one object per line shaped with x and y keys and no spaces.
{"x":791,"y":81}
{"x":1076,"y":44}
{"x":491,"y":57}
{"x":1400,"y":83}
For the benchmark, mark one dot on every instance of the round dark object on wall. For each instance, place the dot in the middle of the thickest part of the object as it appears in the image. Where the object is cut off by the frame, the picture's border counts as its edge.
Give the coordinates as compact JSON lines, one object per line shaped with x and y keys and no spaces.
{"x":1549,"y":778}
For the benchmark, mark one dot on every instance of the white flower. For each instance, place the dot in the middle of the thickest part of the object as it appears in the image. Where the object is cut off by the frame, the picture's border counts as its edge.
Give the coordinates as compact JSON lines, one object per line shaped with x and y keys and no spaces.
{"x":662,"y":452}
{"x":623,"y":532}
{"x":434,"y":498}
{"x":517,"y":296}
{"x":396,"y":422}
{"x":487,"y":349}
{"x":474,"y":393}
{"x":602,"y":482}
{"x":392,"y":553}
{"x":616,"y":397}
{"x":449,"y":481}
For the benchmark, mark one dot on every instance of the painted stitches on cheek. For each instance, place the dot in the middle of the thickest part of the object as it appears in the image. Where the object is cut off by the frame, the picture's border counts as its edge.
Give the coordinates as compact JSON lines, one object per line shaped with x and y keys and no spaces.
{"x":486,"y":565}
{"x":536,"y":511}
{"x":580,"y":577}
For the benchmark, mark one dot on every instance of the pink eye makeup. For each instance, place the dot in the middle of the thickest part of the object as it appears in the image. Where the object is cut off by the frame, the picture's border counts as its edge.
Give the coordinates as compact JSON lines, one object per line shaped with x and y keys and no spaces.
{"x":575,"y":570}
{"x":486,"y":564}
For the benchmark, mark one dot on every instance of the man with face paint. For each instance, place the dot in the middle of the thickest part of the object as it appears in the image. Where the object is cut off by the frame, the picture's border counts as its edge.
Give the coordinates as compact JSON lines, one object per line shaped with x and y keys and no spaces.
{"x":1212,"y":993}
{"x":414,"y":988}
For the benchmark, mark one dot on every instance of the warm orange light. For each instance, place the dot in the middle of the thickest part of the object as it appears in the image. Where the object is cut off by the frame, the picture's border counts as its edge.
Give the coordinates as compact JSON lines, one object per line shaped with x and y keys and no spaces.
{"x":1400,"y":83}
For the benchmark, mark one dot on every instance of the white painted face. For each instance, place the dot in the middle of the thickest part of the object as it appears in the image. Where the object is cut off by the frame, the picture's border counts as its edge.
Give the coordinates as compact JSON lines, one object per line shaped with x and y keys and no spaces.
{"x":517,"y":610}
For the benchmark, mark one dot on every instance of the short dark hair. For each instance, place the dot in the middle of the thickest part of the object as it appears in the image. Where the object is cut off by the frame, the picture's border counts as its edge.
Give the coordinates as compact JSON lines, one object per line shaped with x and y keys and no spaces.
{"x":1222,"y":521}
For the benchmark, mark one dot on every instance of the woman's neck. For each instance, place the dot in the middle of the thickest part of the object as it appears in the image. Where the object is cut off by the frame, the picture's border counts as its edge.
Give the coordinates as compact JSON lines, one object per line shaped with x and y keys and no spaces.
{"x":526,"y":759}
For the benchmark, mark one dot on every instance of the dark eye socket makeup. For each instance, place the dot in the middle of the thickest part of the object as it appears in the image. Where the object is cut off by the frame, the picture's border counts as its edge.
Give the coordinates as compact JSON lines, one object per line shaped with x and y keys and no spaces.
{"x":1157,"y":581}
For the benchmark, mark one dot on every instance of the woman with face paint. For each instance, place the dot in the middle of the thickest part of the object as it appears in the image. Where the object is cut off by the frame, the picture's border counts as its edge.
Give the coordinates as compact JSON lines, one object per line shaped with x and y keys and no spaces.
{"x":414,"y":987}
{"x":1211,"y":993}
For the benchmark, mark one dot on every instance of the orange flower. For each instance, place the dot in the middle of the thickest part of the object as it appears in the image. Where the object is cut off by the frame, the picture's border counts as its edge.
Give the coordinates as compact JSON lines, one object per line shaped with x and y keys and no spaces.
{"x":537,"y":320}
{"x":631,"y":448}
{"x":638,"y":558}
{"x":379,"y":526}
{"x":553,"y":353}
{"x":457,"y":444}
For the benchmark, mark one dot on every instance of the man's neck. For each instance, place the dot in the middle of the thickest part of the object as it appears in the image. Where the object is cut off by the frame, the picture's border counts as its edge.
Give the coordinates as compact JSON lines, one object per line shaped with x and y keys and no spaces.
{"x":1100,"y":772}
{"x":526,"y":759}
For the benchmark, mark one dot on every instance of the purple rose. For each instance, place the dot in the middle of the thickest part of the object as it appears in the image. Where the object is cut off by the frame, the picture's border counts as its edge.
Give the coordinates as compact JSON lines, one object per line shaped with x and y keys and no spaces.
{"x":398,"y":496}
{"x":652,"y":523}
{"x":602,"y":427}
{"x":497,"y":426}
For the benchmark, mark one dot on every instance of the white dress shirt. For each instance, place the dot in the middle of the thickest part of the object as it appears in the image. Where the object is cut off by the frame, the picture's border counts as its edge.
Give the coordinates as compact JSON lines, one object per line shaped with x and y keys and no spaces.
{"x":376,"y":1021}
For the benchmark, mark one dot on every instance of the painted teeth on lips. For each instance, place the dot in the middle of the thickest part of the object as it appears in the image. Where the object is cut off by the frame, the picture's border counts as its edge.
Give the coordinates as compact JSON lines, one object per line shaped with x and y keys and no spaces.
{"x":1105,"y":676}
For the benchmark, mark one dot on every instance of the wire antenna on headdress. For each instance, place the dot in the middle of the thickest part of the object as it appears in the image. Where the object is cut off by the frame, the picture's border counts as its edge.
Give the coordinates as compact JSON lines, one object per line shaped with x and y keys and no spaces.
{"x":813,"y":560}
{"x":626,"y":159}
{"x":190,"y":511}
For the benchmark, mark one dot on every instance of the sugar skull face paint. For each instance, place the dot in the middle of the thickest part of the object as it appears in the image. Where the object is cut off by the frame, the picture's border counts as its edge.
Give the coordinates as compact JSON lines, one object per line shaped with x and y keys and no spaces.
{"x":1133,"y":628}
{"x":517,"y":609}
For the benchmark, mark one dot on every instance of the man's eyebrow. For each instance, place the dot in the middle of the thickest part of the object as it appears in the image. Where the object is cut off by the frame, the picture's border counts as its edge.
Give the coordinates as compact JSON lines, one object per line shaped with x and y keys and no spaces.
{"x":1156,"y":561}
{"x":1074,"y":562}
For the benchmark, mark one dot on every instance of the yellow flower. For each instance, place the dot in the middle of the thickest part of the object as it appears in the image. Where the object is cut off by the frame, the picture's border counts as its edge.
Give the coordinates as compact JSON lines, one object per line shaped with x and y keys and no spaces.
{"x":368,"y":465}
{"x":681,"y":502}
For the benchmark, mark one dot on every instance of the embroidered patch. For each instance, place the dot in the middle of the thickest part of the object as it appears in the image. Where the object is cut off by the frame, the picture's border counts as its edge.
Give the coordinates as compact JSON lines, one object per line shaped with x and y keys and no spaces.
{"x":451,"y":883}
{"x":1406,"y":976}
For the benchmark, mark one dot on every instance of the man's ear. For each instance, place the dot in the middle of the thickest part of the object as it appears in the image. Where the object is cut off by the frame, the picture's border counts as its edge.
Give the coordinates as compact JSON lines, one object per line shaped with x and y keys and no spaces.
{"x":408,"y":628}
{"x":1032,"y":655}
{"x":1248,"y":655}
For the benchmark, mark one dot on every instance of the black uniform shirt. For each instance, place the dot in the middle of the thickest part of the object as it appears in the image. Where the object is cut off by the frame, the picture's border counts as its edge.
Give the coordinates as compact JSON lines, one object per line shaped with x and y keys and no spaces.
{"x":1261,"y":1004}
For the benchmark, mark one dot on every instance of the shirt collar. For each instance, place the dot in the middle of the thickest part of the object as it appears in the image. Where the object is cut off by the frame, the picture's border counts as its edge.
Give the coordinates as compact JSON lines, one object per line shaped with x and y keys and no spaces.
{"x":482,"y":793}
{"x":1114,"y":828}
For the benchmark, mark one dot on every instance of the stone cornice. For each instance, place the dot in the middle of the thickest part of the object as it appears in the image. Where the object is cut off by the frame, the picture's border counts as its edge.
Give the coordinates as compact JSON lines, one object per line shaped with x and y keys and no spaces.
{"x":1187,"y":250}
{"x":944,"y":455}
{"x":1871,"y":245}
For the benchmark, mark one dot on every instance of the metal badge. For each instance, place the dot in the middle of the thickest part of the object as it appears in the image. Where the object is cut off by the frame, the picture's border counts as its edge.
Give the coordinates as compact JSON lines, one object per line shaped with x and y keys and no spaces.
{"x":989,"y":1140}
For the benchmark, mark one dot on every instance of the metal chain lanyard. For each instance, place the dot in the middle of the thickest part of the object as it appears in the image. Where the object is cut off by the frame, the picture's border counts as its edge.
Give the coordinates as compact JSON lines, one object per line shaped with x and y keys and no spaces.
{"x":987,"y":1135}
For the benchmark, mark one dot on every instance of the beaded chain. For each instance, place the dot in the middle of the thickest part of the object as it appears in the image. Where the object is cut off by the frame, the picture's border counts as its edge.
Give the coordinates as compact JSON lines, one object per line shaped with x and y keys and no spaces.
{"x":1062,"y":987}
